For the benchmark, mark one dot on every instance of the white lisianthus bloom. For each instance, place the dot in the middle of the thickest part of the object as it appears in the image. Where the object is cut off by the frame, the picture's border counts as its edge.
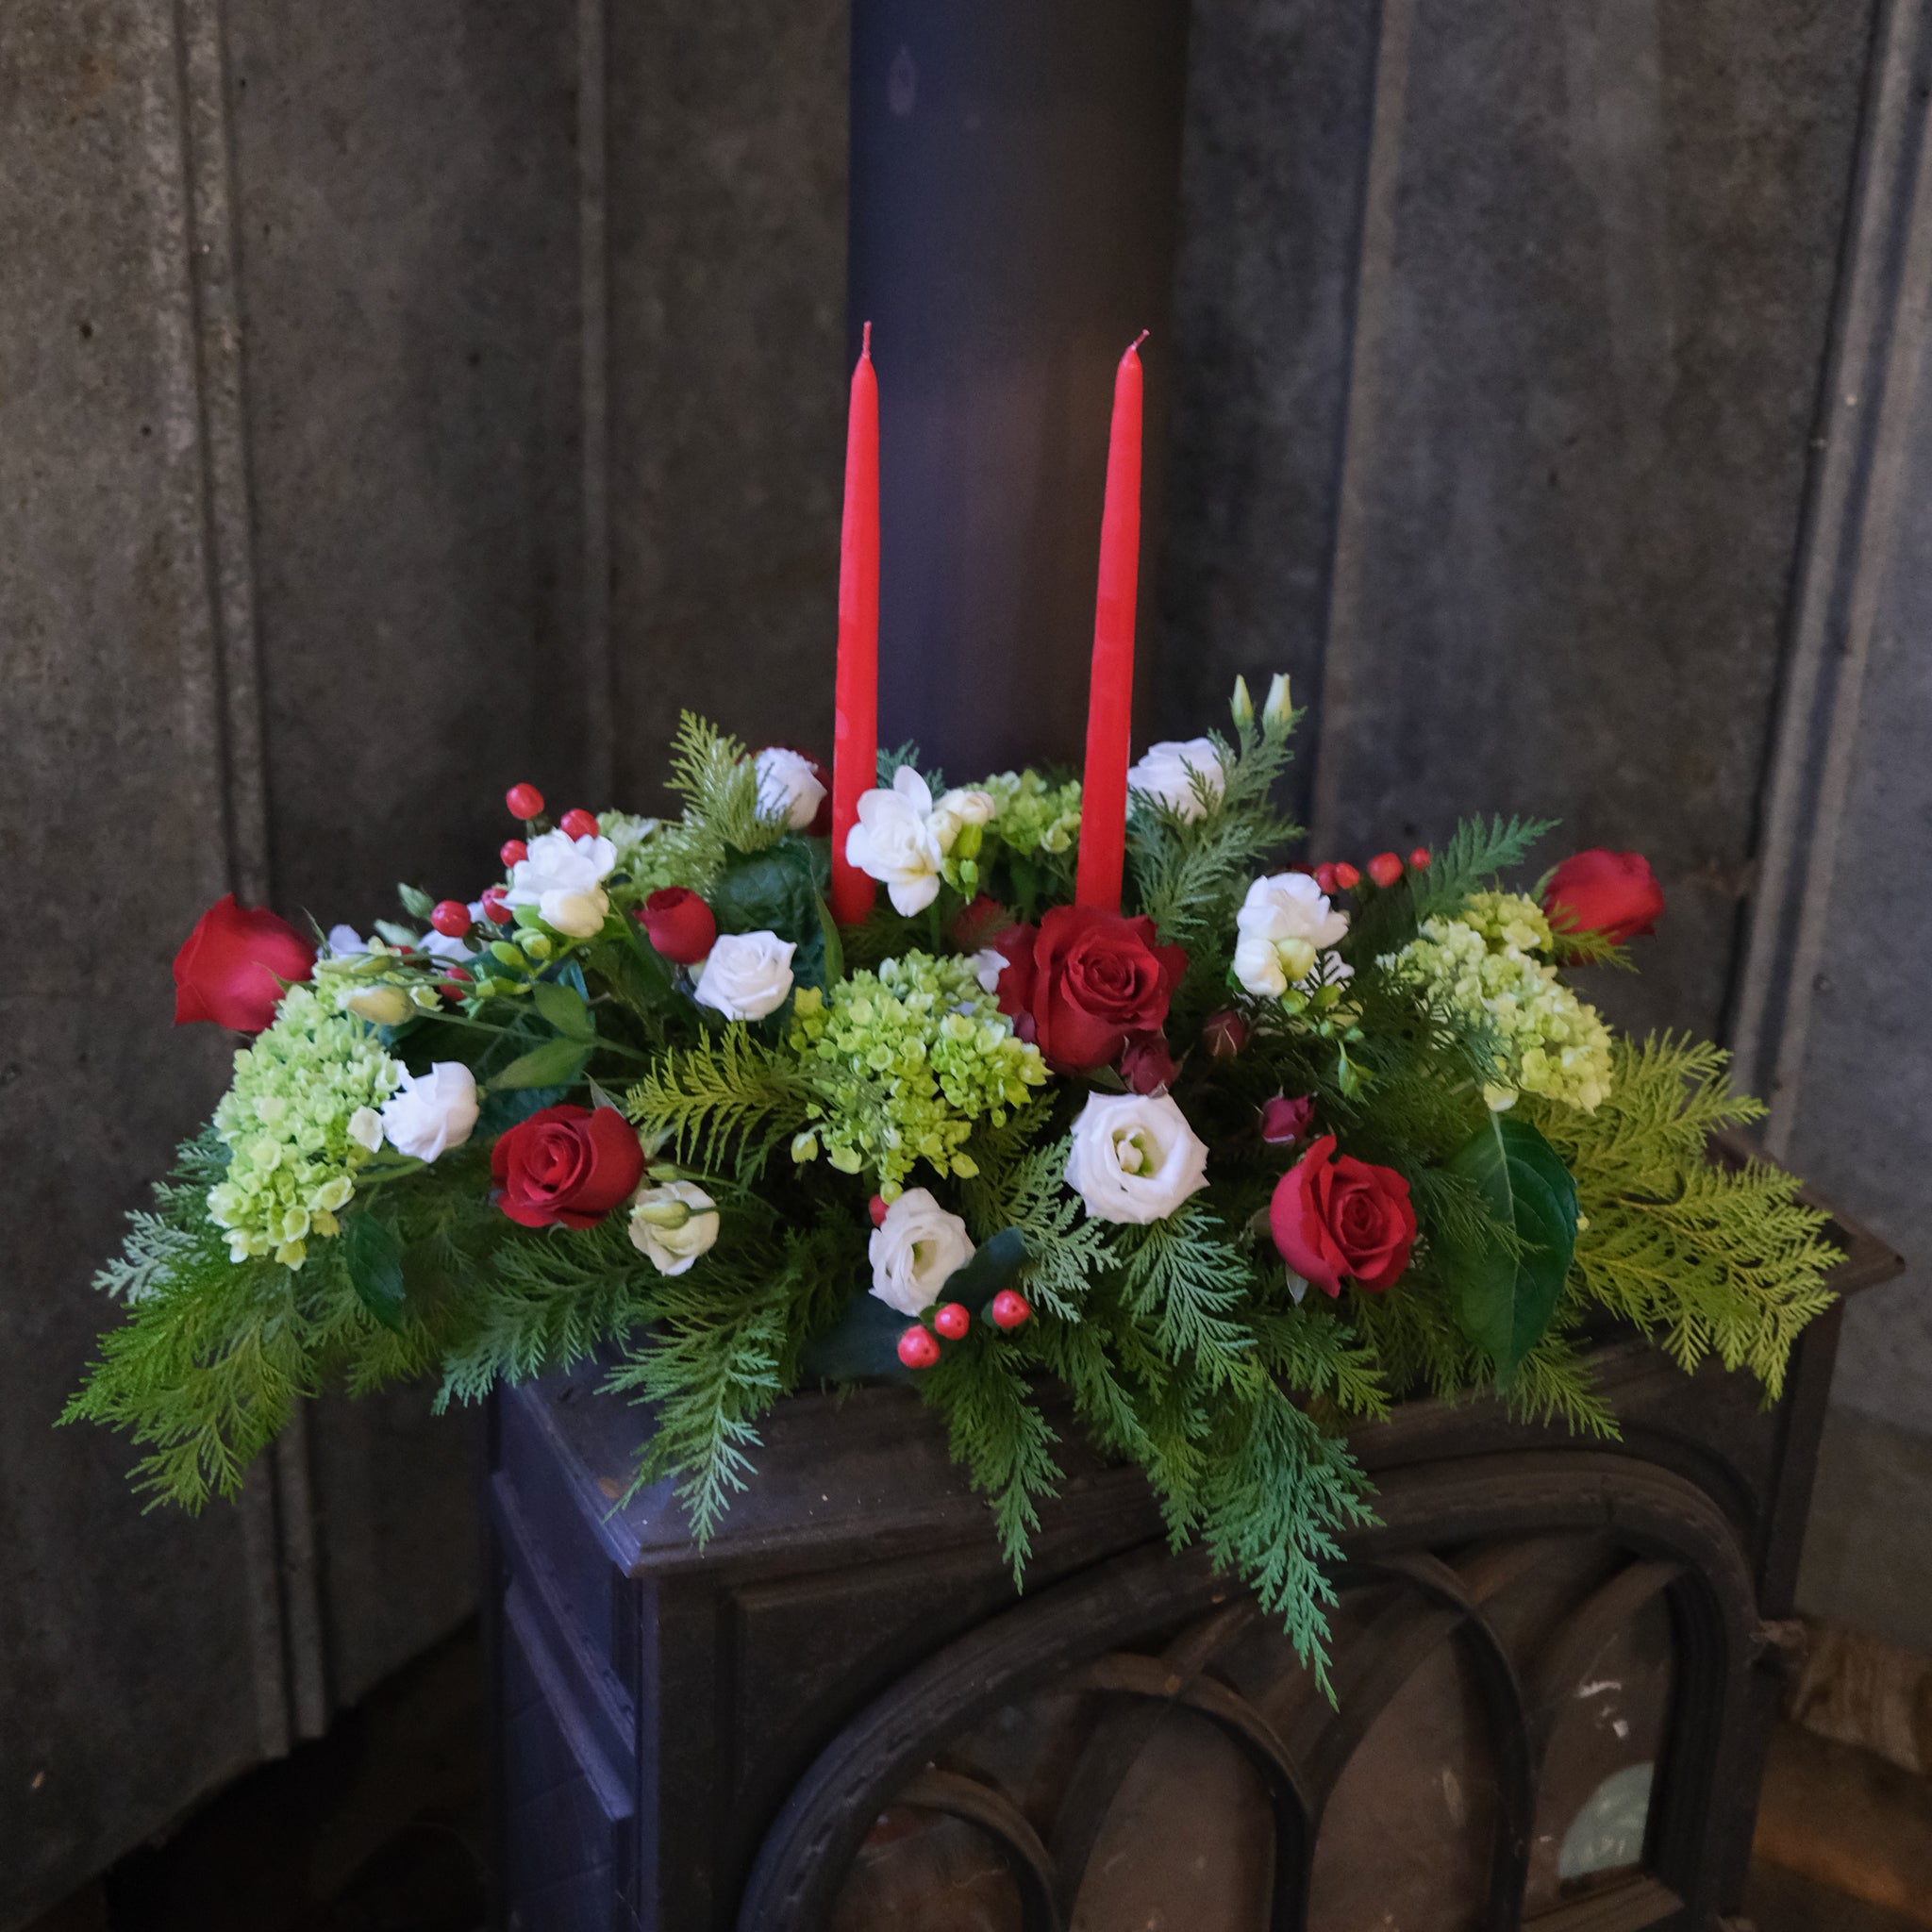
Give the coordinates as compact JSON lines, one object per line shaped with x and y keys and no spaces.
{"x":1285,"y":922}
{"x":563,"y":878}
{"x":747,"y":975}
{"x":430,"y":1113}
{"x":1135,"y":1157}
{"x":674,"y":1224}
{"x":1166,"y":772}
{"x":897,"y":842}
{"x":788,"y":786}
{"x":915,"y":1250}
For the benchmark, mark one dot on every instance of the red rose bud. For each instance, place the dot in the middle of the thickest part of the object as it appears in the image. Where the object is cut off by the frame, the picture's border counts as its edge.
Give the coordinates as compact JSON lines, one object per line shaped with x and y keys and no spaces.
{"x":1419,"y":860}
{"x":1613,"y":893}
{"x":512,"y":852}
{"x":1346,"y":876}
{"x":978,"y":922}
{"x":451,"y":918}
{"x":578,"y":823}
{"x":1284,"y":1120}
{"x":1342,"y":1217}
{"x":877,"y":1208}
{"x":1085,"y":981}
{"x":951,"y":1319}
{"x":680,"y":924}
{"x":1146,"y":1065}
{"x":566,"y":1164}
{"x":1324,"y":877}
{"x":1384,"y":867}
{"x":1010,"y":1310}
{"x":525,"y":801}
{"x":229,"y":967}
{"x":918,"y":1348}
{"x":1225,"y":1033}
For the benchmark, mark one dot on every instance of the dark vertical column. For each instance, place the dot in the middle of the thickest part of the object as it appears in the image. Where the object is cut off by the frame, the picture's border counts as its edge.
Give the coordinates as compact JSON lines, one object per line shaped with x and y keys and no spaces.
{"x":1015,"y":175}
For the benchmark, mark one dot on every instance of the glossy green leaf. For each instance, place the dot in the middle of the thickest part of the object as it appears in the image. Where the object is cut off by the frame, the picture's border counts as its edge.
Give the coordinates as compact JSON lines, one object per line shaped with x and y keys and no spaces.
{"x":992,"y":1267}
{"x":373,"y":1257}
{"x":555,"y":1063}
{"x":1504,"y":1301}
{"x":564,"y":1008}
{"x":862,"y":1346}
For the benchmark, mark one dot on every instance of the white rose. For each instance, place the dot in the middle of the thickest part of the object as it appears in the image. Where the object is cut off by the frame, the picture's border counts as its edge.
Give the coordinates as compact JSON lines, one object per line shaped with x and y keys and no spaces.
{"x":673,"y":1225}
{"x":897,"y":842}
{"x":747,"y":974}
{"x":1135,"y":1157}
{"x":1167,"y":770}
{"x":915,"y":1250}
{"x":1284,"y":922}
{"x":562,"y":878}
{"x":430,"y":1113}
{"x":788,"y":788}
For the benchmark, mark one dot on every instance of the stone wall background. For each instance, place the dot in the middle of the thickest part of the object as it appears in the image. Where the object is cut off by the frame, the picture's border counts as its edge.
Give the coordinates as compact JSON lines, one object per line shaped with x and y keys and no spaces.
{"x":397,"y":401}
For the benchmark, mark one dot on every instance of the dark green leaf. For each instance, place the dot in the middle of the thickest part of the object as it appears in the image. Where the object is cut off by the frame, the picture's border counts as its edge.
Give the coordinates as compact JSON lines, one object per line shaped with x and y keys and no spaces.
{"x":863,"y":1346}
{"x":555,"y":1063}
{"x":564,"y":1008}
{"x":500,"y":1112}
{"x":373,"y":1257}
{"x":1503,"y":1300}
{"x":773,"y":890}
{"x":833,"y":955}
{"x":992,"y":1267}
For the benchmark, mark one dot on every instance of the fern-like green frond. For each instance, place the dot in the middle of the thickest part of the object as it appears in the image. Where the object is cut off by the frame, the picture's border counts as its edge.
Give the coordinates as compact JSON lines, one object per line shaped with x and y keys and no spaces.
{"x":1475,"y":854}
{"x":729,"y":1095}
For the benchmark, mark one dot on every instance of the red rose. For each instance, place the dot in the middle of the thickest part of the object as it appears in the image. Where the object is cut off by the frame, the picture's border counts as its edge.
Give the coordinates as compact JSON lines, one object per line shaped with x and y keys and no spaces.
{"x":680,"y":924}
{"x":1342,"y":1217}
{"x":1285,"y":1121}
{"x":230,"y":967}
{"x":1146,"y":1065}
{"x":1084,"y":980}
{"x":1614,"y":893}
{"x":572,"y":1164}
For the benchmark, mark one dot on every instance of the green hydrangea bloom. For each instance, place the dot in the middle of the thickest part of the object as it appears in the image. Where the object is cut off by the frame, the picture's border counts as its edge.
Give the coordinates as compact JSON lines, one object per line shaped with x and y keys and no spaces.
{"x":630,"y":834}
{"x":906,"y":1060}
{"x":1483,"y":967}
{"x":287,"y":1122}
{"x":1032,"y":815}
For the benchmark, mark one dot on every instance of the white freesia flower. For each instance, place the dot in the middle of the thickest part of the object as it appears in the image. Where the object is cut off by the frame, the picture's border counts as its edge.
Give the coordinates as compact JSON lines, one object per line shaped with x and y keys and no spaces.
{"x":788,"y":786}
{"x":673,"y":1225}
{"x":914,"y":1251}
{"x":957,"y":810}
{"x":563,"y":878}
{"x":1285,"y":922}
{"x":1135,"y":1157}
{"x":1166,"y":772}
{"x":897,"y":842}
{"x":345,"y":938}
{"x":430,"y":1113}
{"x":747,"y":975}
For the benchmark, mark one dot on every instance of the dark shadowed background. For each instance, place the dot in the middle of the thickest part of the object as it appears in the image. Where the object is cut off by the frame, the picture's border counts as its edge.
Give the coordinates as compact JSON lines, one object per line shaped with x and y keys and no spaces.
{"x":397,"y":401}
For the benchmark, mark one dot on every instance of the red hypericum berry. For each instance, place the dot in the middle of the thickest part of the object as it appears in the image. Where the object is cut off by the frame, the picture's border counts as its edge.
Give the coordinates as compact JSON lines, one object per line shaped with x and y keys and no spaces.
{"x":952,"y":1320}
{"x":525,"y":801}
{"x":494,"y":907}
{"x":876,"y":1208}
{"x":1324,"y":876}
{"x":578,"y":823}
{"x":919,"y":1347}
{"x":452,"y":985}
{"x":1346,"y":876}
{"x":1225,"y":1033}
{"x":451,"y":918}
{"x":1010,"y":1310}
{"x":1384,"y":867}
{"x":1419,"y":860}
{"x":513,"y":853}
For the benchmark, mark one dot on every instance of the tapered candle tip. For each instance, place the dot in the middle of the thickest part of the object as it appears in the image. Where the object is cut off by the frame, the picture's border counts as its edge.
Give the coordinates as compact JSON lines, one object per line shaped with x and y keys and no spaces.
{"x":1133,"y":347}
{"x":865,"y":339}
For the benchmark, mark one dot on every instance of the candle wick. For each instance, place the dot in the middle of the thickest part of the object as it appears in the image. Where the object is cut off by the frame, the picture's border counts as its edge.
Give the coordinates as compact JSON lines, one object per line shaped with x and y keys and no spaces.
{"x":865,"y":340}
{"x":1137,"y":342}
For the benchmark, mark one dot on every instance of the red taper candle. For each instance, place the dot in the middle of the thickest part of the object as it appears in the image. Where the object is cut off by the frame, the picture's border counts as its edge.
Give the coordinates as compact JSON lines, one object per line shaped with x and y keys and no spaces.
{"x":855,"y":698}
{"x":1110,"y":689}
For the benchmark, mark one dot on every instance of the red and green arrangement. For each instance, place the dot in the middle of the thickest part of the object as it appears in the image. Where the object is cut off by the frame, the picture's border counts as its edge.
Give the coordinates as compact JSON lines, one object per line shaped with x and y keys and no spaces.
{"x":1107,"y":1096}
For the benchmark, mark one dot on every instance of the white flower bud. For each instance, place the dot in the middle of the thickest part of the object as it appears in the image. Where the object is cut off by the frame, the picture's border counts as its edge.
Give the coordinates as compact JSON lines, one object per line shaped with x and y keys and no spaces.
{"x":673,"y":1225}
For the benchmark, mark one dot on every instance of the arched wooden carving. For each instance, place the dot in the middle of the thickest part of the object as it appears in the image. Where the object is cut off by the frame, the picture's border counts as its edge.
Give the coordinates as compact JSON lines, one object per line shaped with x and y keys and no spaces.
{"x":1517,"y":1571}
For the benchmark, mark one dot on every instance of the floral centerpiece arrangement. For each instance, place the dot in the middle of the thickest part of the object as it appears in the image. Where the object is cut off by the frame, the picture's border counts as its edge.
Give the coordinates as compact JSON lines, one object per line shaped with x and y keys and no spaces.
{"x":1254,"y":1155}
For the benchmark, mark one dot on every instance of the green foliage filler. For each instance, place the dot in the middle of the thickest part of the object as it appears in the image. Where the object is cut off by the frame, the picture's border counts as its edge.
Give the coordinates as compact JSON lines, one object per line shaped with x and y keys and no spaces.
{"x":1380,"y":1151}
